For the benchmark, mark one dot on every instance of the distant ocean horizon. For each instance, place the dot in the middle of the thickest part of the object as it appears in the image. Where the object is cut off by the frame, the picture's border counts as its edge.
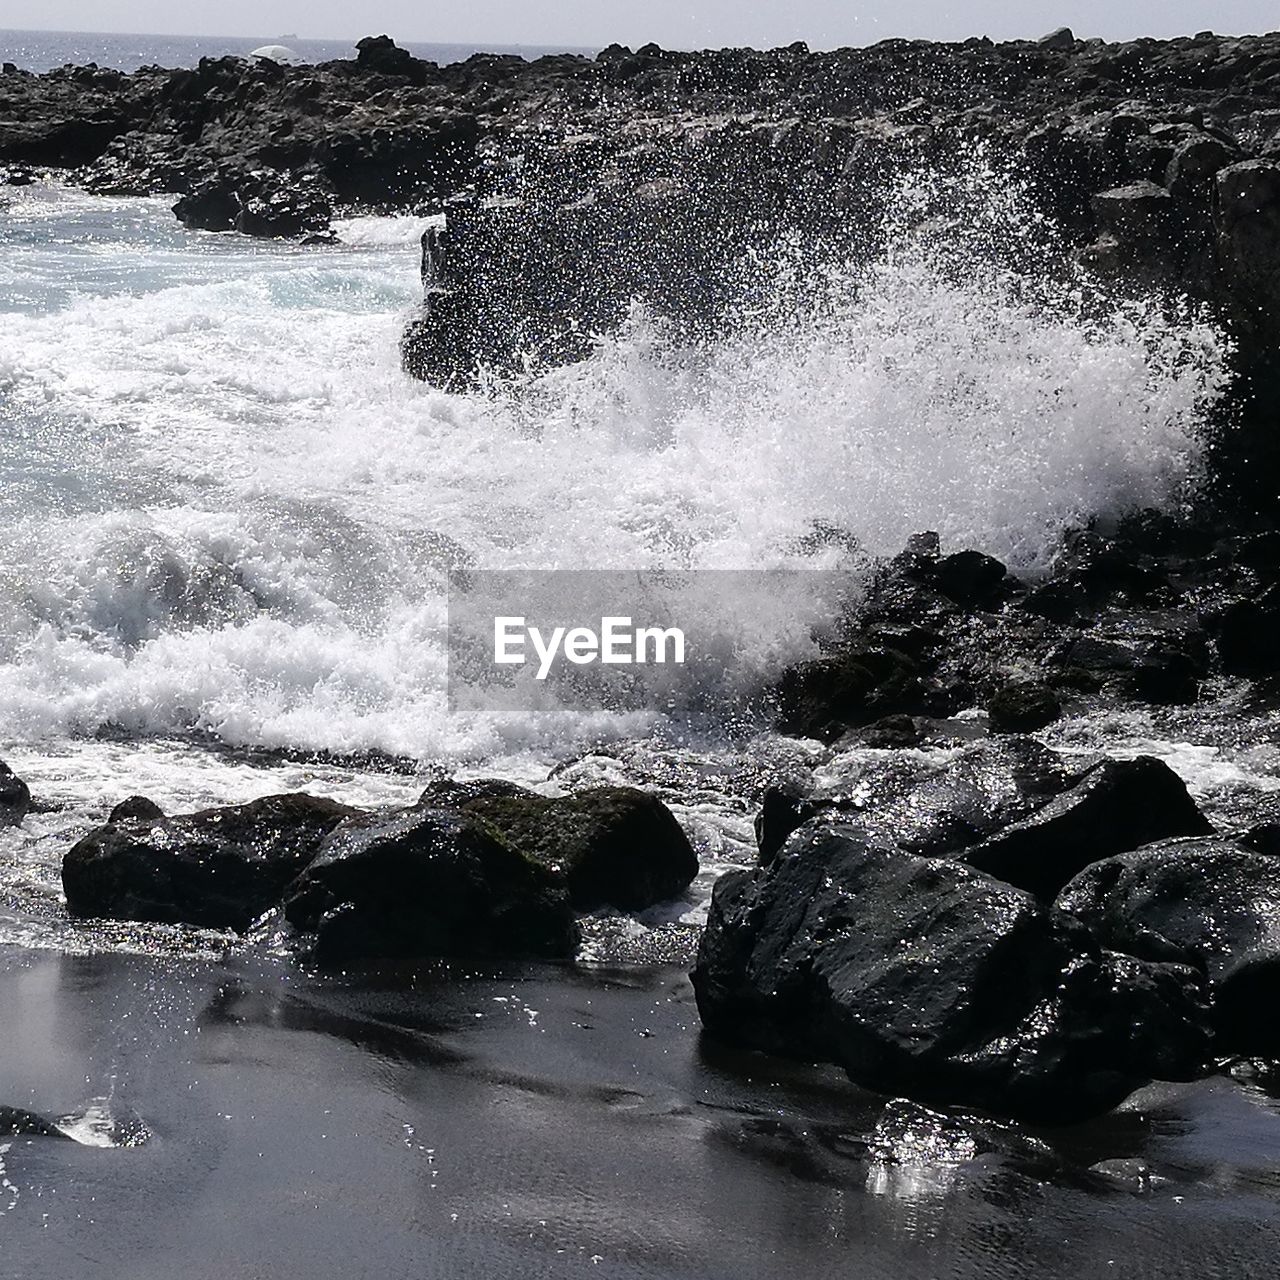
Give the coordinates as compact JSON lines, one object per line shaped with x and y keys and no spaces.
{"x":44,"y":50}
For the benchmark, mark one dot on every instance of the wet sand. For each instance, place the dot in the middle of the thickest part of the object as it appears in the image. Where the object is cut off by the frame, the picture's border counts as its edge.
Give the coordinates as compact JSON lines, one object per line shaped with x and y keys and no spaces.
{"x":553,"y":1122}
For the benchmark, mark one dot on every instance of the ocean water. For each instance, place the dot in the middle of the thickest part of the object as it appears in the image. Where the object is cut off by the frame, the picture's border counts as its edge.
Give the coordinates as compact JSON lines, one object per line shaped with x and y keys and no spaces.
{"x":226,"y":517}
{"x":44,"y":50}
{"x":229,"y":511}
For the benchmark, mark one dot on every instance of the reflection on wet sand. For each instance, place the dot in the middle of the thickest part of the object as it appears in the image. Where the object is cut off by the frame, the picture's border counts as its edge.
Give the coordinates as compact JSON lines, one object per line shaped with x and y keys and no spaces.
{"x":513,"y":1122}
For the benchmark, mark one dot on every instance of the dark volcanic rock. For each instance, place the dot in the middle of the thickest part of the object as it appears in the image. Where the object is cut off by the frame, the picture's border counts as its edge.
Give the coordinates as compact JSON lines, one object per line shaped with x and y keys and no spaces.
{"x":212,"y":206}
{"x":532,"y":280}
{"x":1262,"y":831}
{"x":925,"y":977}
{"x":886,"y":733}
{"x":613,"y":846}
{"x":263,"y":204}
{"x":925,"y":811}
{"x":933,"y":635}
{"x":1139,"y":213}
{"x":384,"y":167}
{"x":1117,"y":806}
{"x":784,"y":809}
{"x":15,"y":797}
{"x":139,"y":807}
{"x":17,"y":1122}
{"x":988,"y":787}
{"x":426,"y":882}
{"x":574,"y":187}
{"x":383,"y":55}
{"x":218,"y":868}
{"x":1166,"y":675}
{"x":1151,"y":655}
{"x":969,"y":577}
{"x":1209,"y":902}
{"x":861,"y":683}
{"x":1022,"y":707}
{"x":1247,"y":221}
{"x":260,"y":145}
{"x":1248,"y":633}
{"x":277,"y":209}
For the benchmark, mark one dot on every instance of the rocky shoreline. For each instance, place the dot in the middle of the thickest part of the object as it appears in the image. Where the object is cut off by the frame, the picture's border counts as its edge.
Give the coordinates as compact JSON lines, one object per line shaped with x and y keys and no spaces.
{"x":572,"y":187}
{"x":1024,"y":932}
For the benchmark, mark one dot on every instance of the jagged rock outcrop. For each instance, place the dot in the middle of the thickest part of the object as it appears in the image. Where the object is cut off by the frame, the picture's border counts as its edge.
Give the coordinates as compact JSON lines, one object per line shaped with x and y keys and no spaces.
{"x":218,"y":868}
{"x":572,"y":186}
{"x":1116,"y":806}
{"x":1207,"y":902}
{"x":370,"y":132}
{"x":1147,"y":154}
{"x":1141,"y":609}
{"x":261,"y":203}
{"x":927,"y":978}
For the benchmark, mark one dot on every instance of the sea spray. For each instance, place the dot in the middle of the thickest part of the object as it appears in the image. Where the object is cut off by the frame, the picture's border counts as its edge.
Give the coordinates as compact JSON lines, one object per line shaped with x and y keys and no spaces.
{"x":237,"y":514}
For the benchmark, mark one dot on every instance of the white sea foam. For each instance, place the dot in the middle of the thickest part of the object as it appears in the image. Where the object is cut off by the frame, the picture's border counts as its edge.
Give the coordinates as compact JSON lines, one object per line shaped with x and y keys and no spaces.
{"x":236,"y":512}
{"x":397,"y":231}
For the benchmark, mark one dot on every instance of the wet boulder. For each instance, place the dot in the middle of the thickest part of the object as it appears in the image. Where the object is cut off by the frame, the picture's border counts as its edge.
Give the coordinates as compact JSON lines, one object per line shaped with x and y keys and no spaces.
{"x":1116,"y":806}
{"x":1165,"y":674}
{"x":1260,"y":831}
{"x":925,"y":810}
{"x":15,"y":797}
{"x":263,"y":203}
{"x":135,"y":807}
{"x":860,"y":683}
{"x":1022,"y":706}
{"x":924,"y":977}
{"x":985,"y":789}
{"x":427,"y":882}
{"x":1210,"y":902}
{"x":612,"y":846}
{"x":783,"y":809}
{"x":212,"y":205}
{"x":969,"y":577}
{"x":218,"y":868}
{"x":1153,"y":656}
{"x":276,"y":206}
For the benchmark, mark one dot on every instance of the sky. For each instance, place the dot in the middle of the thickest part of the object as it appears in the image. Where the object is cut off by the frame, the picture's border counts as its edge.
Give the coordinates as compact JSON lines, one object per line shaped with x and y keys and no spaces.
{"x":671,"y":23}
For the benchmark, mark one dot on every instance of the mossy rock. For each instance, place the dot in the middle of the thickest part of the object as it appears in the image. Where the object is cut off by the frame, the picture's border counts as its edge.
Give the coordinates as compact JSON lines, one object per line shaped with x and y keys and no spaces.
{"x":425,"y":882}
{"x":614,"y":846}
